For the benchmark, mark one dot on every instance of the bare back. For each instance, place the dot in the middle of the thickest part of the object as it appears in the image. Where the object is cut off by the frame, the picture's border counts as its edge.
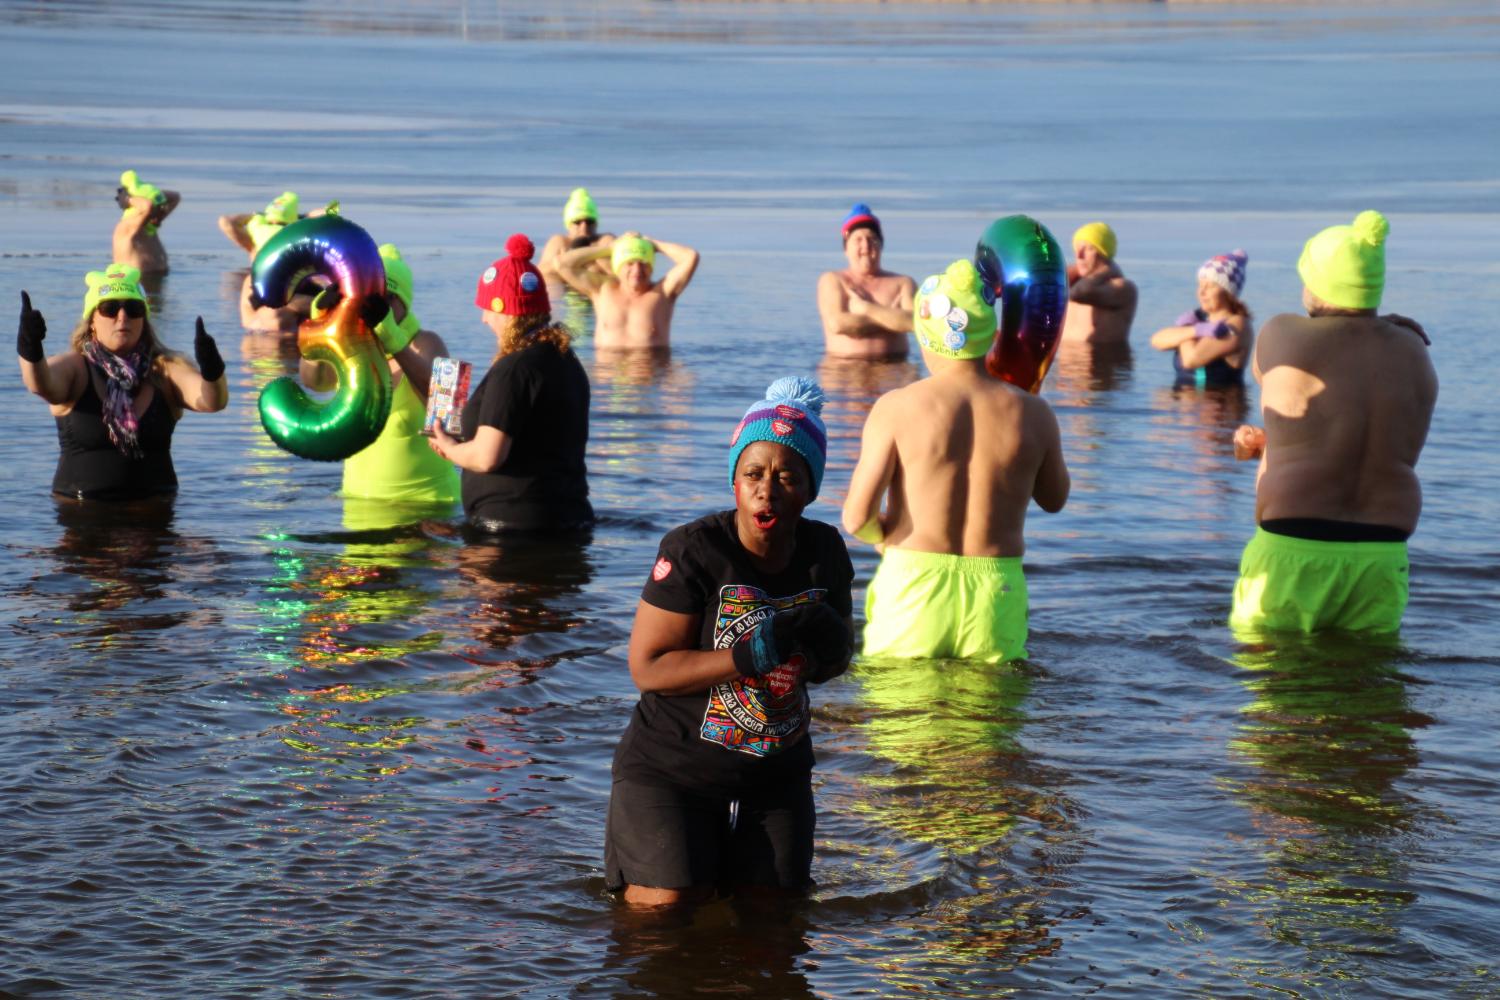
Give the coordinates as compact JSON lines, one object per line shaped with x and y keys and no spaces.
{"x":1347,"y":402}
{"x":971,"y":452}
{"x":632,"y":319}
{"x":136,"y":244}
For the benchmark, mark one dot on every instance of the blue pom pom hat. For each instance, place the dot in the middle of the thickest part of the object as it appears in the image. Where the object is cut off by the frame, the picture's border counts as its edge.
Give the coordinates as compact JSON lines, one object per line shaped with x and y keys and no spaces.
{"x":789,"y":415}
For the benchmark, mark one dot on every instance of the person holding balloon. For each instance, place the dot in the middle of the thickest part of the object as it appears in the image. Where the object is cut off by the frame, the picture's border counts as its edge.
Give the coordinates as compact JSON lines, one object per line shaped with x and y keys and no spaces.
{"x":399,"y":465}
{"x":526,"y":425}
{"x":1101,"y":300}
{"x":249,"y":231}
{"x":1211,"y":344}
{"x":117,"y":392}
{"x":143,"y":208}
{"x":865,"y":309}
{"x":955,"y":459}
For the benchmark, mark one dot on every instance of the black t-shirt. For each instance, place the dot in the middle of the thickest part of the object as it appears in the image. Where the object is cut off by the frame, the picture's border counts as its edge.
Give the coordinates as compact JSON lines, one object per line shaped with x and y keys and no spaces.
{"x":743,"y":733}
{"x":540,"y":397}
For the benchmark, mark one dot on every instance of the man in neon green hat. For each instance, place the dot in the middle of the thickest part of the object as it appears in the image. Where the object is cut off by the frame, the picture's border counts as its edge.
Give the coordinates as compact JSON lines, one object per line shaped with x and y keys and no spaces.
{"x":630,"y":309}
{"x":1101,"y":300}
{"x":955,"y":459}
{"x":581,"y":220}
{"x":143,"y":208}
{"x":1346,"y":398}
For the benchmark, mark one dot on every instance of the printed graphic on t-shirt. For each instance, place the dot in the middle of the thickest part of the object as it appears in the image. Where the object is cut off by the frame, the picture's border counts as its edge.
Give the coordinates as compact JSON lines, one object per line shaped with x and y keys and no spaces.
{"x":756,"y":715}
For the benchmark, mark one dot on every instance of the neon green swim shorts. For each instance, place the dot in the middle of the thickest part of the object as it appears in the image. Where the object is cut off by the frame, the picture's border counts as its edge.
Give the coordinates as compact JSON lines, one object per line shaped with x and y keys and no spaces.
{"x":926,"y":604}
{"x":1297,"y":584}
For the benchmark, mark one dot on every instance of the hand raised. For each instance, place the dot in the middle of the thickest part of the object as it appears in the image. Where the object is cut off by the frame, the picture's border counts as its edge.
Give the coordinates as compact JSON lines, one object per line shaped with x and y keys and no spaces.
{"x":31,"y":331}
{"x":206,"y":352}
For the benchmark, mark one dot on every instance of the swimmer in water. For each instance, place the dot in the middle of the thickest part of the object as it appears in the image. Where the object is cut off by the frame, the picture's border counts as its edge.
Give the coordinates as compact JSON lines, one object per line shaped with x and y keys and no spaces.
{"x":1347,"y":397}
{"x":741,"y":611}
{"x":1212,"y":343}
{"x":957,"y":458}
{"x":116,"y":392}
{"x":630,"y":310}
{"x":399,"y":465}
{"x":143,"y":208}
{"x":581,"y":219}
{"x":1101,"y":300}
{"x":249,"y":231}
{"x":866,"y":310}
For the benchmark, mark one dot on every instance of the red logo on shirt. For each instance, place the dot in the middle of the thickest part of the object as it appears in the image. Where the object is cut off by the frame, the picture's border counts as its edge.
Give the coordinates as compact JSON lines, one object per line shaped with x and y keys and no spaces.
{"x":781,"y":427}
{"x":661,"y":570}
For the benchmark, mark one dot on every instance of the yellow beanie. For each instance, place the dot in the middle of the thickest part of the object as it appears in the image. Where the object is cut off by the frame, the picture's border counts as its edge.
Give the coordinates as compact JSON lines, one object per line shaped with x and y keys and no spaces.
{"x":629,"y":248}
{"x":1097,"y":235}
{"x":119,"y":281}
{"x":1345,"y":265}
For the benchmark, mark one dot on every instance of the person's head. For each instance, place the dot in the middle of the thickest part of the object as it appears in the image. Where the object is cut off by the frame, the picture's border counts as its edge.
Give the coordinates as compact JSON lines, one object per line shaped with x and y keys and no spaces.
{"x":399,"y":289}
{"x":115,"y":313}
{"x":632,"y":259}
{"x":581,"y":215}
{"x":1343,"y":267}
{"x":777,"y":455}
{"x":954,"y":313}
{"x":1094,"y":244}
{"x":282,"y":209}
{"x":863,"y":238}
{"x":1221,"y":282}
{"x":514,"y":300}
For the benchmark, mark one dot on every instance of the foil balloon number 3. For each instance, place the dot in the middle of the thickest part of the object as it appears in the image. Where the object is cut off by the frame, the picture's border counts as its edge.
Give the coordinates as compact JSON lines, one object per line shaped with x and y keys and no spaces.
{"x":353,"y":418}
{"x":1021,"y":261}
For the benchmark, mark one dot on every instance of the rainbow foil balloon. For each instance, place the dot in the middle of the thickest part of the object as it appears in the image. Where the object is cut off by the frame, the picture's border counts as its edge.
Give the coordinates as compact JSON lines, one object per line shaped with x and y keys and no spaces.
{"x":349,"y":422}
{"x":1021,"y":261}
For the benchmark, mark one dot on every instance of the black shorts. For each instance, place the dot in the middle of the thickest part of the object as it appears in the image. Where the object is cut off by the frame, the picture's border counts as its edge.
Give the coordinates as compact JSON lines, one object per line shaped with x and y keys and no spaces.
{"x":671,"y":838}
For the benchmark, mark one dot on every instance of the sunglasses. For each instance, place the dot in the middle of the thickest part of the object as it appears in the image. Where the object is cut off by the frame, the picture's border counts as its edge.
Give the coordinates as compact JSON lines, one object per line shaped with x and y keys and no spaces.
{"x":134,"y":308}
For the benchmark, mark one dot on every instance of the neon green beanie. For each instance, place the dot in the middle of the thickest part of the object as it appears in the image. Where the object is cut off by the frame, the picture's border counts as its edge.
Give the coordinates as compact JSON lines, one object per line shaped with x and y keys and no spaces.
{"x":629,"y":248}
{"x":398,"y":282}
{"x":1345,"y":265}
{"x":283,"y":208}
{"x":580,"y":206}
{"x":954,"y":313}
{"x":120,"y":281}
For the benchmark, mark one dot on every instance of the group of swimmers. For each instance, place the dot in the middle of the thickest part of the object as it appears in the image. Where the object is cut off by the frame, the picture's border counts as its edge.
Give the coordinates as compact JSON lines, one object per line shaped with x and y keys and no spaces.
{"x":744,"y":608}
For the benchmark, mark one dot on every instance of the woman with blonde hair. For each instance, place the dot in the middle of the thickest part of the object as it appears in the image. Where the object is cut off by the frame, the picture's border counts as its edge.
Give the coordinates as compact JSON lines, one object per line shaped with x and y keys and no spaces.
{"x":117,"y":392}
{"x":526,"y":426}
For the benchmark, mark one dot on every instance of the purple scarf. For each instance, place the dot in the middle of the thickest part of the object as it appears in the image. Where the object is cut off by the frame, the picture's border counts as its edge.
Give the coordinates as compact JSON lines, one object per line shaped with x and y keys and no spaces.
{"x":123,"y":377}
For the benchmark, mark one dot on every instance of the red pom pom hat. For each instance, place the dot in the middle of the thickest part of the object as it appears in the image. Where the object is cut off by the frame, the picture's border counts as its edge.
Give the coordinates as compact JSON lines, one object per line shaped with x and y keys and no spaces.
{"x":511,"y":285}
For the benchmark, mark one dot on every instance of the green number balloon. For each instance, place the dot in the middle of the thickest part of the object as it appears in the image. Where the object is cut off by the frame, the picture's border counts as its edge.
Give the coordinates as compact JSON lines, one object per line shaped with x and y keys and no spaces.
{"x":349,"y":422}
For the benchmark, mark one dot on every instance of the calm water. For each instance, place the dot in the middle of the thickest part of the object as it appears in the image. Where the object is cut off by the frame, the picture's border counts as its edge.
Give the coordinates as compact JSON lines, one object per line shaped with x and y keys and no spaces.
{"x":256,"y":744}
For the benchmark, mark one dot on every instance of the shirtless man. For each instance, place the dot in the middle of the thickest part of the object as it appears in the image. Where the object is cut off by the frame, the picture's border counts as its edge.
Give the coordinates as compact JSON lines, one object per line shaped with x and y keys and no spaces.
{"x":958,"y":457}
{"x":249,"y":231}
{"x":1347,"y":397}
{"x":144,"y":207}
{"x":866,"y":309}
{"x":1101,"y":300}
{"x":629,"y":309}
{"x":581,"y":219}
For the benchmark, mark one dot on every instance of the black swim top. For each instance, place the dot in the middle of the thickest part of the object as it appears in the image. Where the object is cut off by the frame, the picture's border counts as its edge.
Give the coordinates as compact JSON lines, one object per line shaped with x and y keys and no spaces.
{"x":90,"y":467}
{"x":1217,"y":372}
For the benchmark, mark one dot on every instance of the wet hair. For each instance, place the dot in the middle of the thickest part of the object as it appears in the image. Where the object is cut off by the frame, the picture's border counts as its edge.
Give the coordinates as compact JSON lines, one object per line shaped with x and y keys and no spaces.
{"x":537,"y":328}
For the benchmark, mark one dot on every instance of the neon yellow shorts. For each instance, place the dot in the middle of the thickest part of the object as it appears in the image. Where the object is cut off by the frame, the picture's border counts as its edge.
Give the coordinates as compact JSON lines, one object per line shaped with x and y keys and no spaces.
{"x":1297,"y":584}
{"x":926,"y":604}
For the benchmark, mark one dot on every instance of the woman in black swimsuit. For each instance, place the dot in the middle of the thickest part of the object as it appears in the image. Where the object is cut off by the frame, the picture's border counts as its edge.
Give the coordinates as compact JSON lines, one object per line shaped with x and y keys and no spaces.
{"x":117,"y":393}
{"x":1211,"y":344}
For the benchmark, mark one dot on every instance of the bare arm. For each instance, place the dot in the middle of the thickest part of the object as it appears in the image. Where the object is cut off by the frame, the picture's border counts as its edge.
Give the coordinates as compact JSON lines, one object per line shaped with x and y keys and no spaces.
{"x":1105,"y":290}
{"x":487,"y":452}
{"x":193,"y":390}
{"x":575,"y":267}
{"x":233,"y":226}
{"x":846,"y":314}
{"x":556,"y":244}
{"x":684,"y":263}
{"x":58,"y":379}
{"x":1053,"y":484}
{"x":1169,"y":338}
{"x":1199,"y":351}
{"x":664,"y":657}
{"x":174,"y":199}
{"x":872,"y":478}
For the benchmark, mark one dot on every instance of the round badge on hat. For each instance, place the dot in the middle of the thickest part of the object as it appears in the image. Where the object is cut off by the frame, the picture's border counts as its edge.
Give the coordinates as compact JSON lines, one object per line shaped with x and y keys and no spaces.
{"x":955,"y":340}
{"x":957,"y":319}
{"x":489,"y":274}
{"x":528,"y":282}
{"x":938,"y":305}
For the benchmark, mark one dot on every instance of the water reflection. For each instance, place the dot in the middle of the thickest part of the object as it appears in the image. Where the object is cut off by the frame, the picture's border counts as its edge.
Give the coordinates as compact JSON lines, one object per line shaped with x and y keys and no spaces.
{"x":125,"y":551}
{"x":642,"y":427}
{"x":1081,"y":371}
{"x":1328,"y":733}
{"x":851,"y":386}
{"x":743,"y":946}
{"x":524,"y":587}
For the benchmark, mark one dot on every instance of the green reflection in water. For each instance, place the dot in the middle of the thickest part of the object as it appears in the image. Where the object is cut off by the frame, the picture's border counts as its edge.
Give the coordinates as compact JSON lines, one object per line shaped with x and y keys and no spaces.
{"x":1328,"y":733}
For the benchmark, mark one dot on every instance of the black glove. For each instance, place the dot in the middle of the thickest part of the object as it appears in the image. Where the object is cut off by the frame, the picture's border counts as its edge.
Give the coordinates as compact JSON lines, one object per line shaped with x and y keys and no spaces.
{"x":210,"y":362}
{"x":822,"y":637}
{"x":373,"y":310}
{"x":768,"y":645}
{"x":30,"y":333}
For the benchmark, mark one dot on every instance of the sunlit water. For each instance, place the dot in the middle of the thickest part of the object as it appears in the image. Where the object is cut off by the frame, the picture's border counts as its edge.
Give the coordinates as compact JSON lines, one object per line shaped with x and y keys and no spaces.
{"x":258,"y":745}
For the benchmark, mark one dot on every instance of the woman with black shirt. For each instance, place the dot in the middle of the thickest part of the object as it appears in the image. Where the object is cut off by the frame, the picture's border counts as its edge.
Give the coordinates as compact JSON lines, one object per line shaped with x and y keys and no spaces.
{"x":117,"y":393}
{"x":526,"y":426}
{"x":741,"y":611}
